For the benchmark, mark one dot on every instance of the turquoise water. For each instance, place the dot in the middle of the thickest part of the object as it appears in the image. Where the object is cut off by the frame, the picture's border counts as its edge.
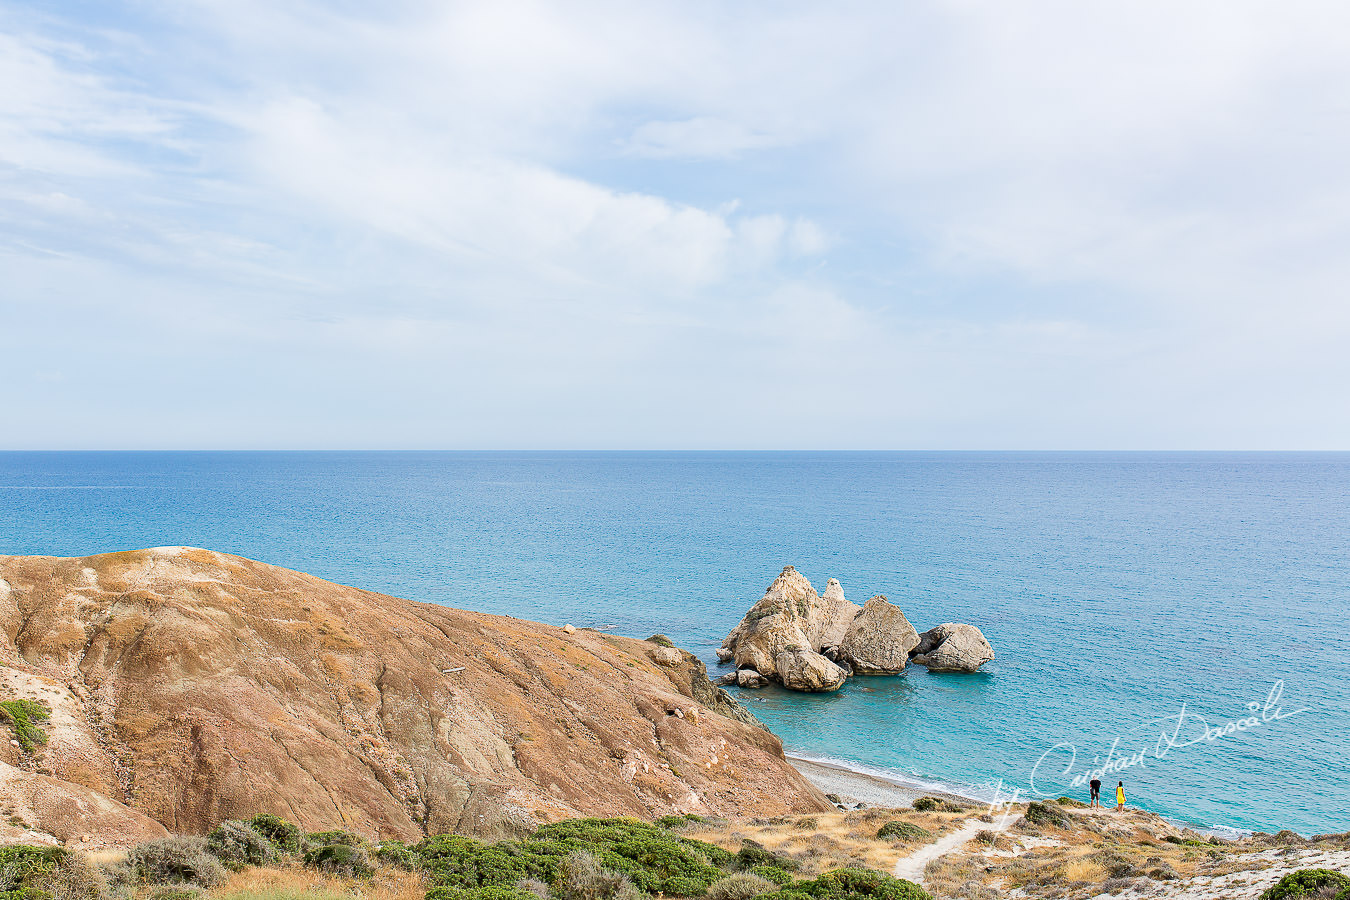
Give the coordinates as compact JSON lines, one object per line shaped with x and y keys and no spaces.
{"x":1115,"y":588}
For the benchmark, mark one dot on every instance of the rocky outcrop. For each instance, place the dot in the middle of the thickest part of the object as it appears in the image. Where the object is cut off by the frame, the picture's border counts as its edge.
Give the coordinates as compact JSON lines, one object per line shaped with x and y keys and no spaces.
{"x":40,"y":809}
{"x":806,"y":670}
{"x":879,"y":639}
{"x":953,"y":647}
{"x":789,"y":615}
{"x":834,"y":618}
{"x":188,"y":687}
{"x":825,"y":638}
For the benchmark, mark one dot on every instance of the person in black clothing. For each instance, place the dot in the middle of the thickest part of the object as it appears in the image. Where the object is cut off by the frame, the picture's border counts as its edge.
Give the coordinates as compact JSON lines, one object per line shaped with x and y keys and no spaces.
{"x":1096,"y":785}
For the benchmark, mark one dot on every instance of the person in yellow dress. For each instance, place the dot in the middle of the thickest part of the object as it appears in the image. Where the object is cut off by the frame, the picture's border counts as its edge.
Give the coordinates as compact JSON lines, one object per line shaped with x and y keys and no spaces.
{"x":1120,"y":796}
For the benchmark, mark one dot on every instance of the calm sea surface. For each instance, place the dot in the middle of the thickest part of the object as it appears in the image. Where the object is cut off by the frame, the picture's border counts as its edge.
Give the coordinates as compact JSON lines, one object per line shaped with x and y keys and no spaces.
{"x":1127,"y":596}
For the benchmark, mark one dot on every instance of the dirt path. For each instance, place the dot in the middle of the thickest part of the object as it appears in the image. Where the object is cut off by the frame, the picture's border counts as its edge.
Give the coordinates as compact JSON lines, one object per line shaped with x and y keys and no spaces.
{"x":911,"y":867}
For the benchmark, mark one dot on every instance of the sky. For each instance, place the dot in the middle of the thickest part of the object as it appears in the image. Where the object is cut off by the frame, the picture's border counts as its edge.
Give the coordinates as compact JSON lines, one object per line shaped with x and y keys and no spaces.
{"x":1052,"y":224}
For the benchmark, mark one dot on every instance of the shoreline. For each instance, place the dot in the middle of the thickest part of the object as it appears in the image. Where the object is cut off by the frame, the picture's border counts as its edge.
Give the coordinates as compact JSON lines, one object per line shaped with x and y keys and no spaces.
{"x":854,"y":786}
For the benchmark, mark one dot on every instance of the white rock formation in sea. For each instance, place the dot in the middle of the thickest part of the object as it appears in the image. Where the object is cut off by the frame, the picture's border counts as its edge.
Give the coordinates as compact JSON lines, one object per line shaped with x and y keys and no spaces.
{"x":789,"y":615}
{"x":805,"y":670}
{"x":953,"y":647}
{"x":879,"y":640}
{"x":821,"y":639}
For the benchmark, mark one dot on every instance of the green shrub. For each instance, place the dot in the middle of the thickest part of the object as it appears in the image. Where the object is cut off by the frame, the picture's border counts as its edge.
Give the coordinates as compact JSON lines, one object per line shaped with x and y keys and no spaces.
{"x":175,"y":893}
{"x":397,"y":855}
{"x":237,"y":845}
{"x":175,"y":860}
{"x":661,"y":640}
{"x":464,"y":863}
{"x":778,"y":876}
{"x":1070,"y":802}
{"x":490,"y":892}
{"x":935,"y":804}
{"x":21,"y":716}
{"x":286,"y":837}
{"x":679,"y":821}
{"x":741,"y":886}
{"x":653,"y":858}
{"x":852,"y":884}
{"x":855,"y":884}
{"x":1307,"y":883}
{"x":23,"y":870}
{"x":334,"y":838}
{"x":1039,"y":813}
{"x":752,"y":855}
{"x":340,"y":859}
{"x":904,"y":831}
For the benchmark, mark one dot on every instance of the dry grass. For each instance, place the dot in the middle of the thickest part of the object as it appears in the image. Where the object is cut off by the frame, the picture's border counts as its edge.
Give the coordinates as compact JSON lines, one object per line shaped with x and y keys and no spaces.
{"x":1084,"y":870}
{"x":307,"y":884}
{"x":827,"y":841}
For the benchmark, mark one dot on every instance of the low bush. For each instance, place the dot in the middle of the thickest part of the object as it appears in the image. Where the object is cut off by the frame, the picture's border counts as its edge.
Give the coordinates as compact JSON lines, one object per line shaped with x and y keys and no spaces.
{"x":397,"y":855}
{"x":22,"y":717}
{"x":935,"y":804}
{"x":334,"y":838}
{"x":23,"y":869}
{"x":904,"y":831}
{"x":851,"y":884}
{"x":340,"y":859}
{"x":1040,"y":813}
{"x":237,"y":845}
{"x":1308,"y":883}
{"x":287,"y":838}
{"x":653,"y":858}
{"x":752,"y":855}
{"x":490,"y":892}
{"x":175,"y":893}
{"x":679,"y":821}
{"x":741,"y":886}
{"x":1072,"y":803}
{"x":175,"y":860}
{"x":74,"y":877}
{"x":581,"y":877}
{"x":1116,"y":864}
{"x":534,"y":886}
{"x":778,"y":876}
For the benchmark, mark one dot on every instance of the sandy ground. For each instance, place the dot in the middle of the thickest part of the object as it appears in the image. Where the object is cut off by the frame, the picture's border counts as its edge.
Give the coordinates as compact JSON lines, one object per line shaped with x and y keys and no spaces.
{"x":855,"y":787}
{"x":912,"y":866}
{"x":1243,"y":885}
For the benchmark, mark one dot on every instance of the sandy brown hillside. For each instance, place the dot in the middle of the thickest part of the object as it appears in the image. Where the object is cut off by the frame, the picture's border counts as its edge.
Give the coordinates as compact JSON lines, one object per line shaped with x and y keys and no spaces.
{"x":188,"y":687}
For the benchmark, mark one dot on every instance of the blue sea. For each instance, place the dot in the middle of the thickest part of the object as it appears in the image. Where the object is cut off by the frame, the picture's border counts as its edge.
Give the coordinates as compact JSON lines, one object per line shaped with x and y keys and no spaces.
{"x":1145,"y":608}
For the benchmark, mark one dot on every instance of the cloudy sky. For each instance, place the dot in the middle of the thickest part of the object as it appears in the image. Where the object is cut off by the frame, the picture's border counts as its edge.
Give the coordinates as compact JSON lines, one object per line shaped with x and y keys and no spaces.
{"x":513,"y":224}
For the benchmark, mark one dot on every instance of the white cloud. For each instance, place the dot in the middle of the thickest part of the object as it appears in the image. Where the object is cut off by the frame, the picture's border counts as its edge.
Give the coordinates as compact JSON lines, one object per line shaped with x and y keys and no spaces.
{"x":985,"y":215}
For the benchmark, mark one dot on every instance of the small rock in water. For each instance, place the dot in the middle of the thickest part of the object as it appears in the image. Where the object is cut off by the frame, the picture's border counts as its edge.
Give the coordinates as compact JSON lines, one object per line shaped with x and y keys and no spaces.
{"x":749,"y":678}
{"x":953,"y":647}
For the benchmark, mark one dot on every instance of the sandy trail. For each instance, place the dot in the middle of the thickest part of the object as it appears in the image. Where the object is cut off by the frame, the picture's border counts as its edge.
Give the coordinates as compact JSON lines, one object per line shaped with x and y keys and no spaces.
{"x":912,"y":866}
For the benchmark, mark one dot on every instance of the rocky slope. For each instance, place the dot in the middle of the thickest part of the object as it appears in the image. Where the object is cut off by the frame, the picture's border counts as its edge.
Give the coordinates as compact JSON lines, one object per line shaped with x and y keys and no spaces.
{"x":188,"y":686}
